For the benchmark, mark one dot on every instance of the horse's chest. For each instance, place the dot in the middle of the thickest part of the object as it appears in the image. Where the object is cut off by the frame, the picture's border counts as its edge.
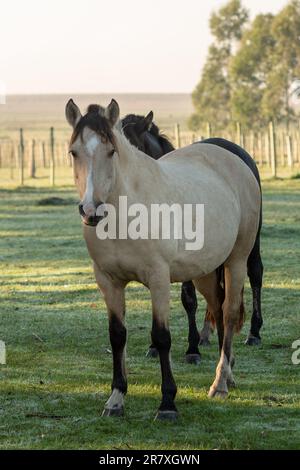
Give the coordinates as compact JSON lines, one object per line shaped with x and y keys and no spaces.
{"x":115,"y":258}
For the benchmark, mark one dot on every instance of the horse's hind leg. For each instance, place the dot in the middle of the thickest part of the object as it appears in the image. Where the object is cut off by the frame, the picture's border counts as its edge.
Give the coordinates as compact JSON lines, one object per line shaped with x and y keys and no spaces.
{"x":206,"y":329}
{"x":211,"y":289}
{"x":208,"y":324}
{"x":189,"y":301}
{"x":255,"y":274}
{"x":233,"y":315}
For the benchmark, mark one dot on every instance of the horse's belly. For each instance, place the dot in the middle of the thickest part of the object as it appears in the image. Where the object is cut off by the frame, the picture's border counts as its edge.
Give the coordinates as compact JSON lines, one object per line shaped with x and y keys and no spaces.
{"x":189,"y":265}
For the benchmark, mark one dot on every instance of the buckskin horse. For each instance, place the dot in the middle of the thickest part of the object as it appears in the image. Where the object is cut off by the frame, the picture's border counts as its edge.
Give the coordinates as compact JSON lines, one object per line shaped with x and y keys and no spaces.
{"x":106,"y":168}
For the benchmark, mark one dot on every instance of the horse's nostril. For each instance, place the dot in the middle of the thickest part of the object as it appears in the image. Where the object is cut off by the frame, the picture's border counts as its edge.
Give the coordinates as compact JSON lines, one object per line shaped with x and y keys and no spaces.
{"x":81,"y":211}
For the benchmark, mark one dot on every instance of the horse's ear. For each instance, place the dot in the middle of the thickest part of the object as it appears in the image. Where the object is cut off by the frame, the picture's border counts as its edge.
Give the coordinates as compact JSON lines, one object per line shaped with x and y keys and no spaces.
{"x":145,"y":123}
{"x":148,"y":120}
{"x":73,"y":114}
{"x":112,"y":112}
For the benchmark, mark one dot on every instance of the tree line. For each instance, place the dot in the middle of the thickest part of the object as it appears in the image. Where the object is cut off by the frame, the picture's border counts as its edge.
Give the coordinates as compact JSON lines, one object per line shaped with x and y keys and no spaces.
{"x":251,"y":70}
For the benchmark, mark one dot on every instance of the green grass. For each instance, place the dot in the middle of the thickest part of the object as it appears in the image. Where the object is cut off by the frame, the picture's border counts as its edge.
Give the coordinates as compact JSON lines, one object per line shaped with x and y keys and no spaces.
{"x":58,"y":362}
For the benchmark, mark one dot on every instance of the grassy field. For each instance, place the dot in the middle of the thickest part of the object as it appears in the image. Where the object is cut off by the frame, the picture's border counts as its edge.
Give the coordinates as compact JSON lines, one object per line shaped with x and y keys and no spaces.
{"x":58,"y":372}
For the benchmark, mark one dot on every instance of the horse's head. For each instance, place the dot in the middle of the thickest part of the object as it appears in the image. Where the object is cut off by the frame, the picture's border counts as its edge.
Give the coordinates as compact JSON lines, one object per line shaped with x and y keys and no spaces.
{"x":144,"y":134}
{"x":93,"y":149}
{"x":135,"y":127}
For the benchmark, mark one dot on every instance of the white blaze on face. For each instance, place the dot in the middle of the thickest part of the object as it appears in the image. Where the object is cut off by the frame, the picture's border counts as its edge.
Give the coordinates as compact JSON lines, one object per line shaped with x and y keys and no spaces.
{"x":92,"y":144}
{"x":88,"y":202}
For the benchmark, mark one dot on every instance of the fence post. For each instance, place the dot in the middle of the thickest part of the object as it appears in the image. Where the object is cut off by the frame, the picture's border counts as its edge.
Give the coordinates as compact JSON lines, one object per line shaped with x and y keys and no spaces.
{"x":259,"y":148}
{"x":32,"y":165}
{"x":208,"y":130}
{"x":267,"y":148}
{"x":12,"y":156}
{"x":177,"y":136}
{"x":43,"y":153}
{"x":289,"y":150}
{"x":295,"y":149}
{"x":21,"y":157}
{"x":273,"y":149}
{"x":52,"y":157}
{"x":252,"y":145}
{"x":238,"y":133}
{"x":282,"y":148}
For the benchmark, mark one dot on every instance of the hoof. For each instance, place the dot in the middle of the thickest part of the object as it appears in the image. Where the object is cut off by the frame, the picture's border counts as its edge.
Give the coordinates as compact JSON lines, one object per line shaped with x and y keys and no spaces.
{"x":253,"y":341}
{"x":215,"y":393}
{"x":152,"y":352}
{"x":166,"y":415}
{"x":204,"y":341}
{"x":193,"y":358}
{"x":113,"y":411}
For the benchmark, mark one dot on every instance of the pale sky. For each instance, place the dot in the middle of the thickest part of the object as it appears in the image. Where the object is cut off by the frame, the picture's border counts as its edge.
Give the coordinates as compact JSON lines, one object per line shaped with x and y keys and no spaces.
{"x":94,"y":46}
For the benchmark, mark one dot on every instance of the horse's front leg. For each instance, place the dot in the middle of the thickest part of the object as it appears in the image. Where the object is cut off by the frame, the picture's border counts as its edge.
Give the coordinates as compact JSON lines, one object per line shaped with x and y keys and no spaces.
{"x":115,"y":301}
{"x":159,"y":286}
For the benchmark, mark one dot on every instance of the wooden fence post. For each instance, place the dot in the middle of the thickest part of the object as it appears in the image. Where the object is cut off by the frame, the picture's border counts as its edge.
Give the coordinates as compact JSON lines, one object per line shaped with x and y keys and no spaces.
{"x":177,"y":136}
{"x":238,"y":133}
{"x":21,"y":157}
{"x":289,"y":150}
{"x":32,"y":164}
{"x":267,"y":148}
{"x":259,"y":148}
{"x":208,"y":130}
{"x":43,"y":154}
{"x":12,"y":157}
{"x":252,"y":145}
{"x":282,"y":148}
{"x":52,"y":157}
{"x":273,"y":149}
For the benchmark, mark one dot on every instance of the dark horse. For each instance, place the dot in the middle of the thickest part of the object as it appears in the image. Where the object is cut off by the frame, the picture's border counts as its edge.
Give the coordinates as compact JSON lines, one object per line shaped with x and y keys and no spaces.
{"x":145,"y":135}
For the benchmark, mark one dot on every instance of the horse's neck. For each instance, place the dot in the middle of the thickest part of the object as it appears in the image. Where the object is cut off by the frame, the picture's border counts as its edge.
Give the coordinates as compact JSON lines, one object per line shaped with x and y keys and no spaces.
{"x":133,"y":168}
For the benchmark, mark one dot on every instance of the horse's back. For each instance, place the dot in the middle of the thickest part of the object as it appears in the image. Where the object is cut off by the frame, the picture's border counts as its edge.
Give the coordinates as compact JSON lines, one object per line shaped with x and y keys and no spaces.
{"x":236,"y":150}
{"x":201,"y":161}
{"x":218,"y":179}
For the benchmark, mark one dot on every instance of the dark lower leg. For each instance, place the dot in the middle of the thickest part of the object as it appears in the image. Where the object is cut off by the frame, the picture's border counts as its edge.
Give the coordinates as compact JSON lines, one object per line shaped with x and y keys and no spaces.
{"x":189,"y":301}
{"x":115,"y":404}
{"x":117,"y":334}
{"x":161,"y":339}
{"x":218,"y":315}
{"x":256,"y":319}
{"x":255,"y":273}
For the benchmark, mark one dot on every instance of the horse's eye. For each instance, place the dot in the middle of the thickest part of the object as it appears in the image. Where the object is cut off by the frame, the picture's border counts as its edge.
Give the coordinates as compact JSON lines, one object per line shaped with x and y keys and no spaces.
{"x":74,"y":154}
{"x":111,"y":152}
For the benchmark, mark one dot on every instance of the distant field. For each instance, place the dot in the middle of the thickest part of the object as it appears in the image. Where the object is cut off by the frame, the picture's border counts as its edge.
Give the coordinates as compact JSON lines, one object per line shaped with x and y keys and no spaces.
{"x":36,"y":113}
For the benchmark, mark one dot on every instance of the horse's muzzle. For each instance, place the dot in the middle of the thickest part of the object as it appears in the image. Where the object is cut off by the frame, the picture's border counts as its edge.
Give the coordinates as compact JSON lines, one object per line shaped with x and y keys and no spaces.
{"x":88,"y":219}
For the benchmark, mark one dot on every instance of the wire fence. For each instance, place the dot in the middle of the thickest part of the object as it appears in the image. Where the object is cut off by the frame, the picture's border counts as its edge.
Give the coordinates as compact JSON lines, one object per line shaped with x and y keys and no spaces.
{"x":271,"y":148}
